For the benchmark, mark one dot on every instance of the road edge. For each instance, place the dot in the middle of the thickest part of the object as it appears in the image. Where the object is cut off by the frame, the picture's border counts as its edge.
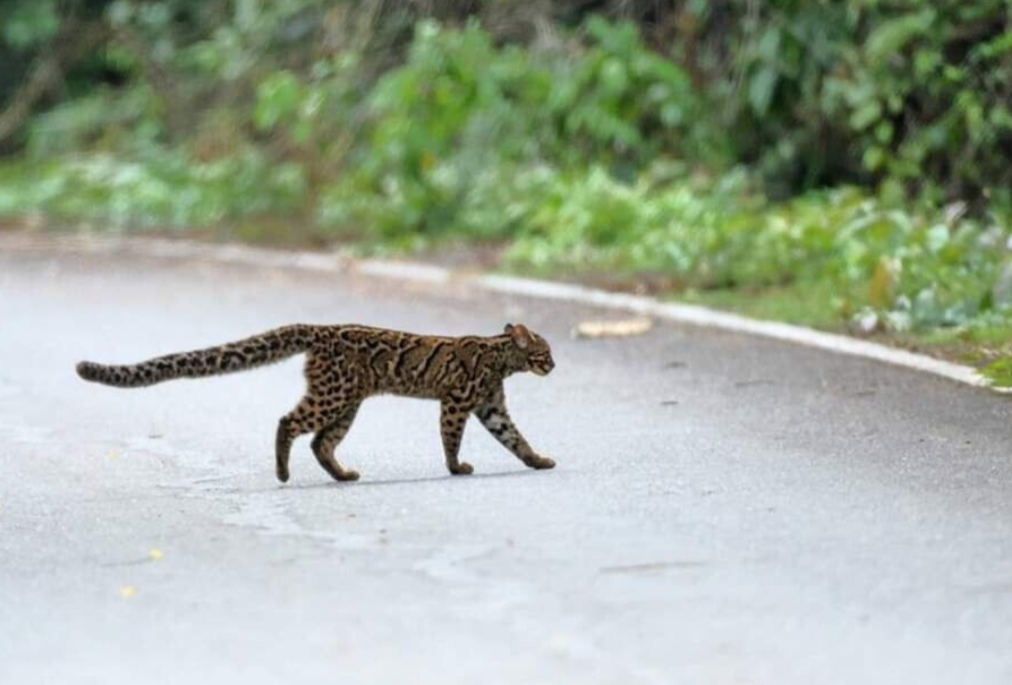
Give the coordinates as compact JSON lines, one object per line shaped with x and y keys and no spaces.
{"x":419,"y":272}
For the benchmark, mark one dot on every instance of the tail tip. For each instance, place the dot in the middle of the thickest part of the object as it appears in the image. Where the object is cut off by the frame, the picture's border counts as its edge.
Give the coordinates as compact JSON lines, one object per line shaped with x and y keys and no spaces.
{"x":87,"y":370}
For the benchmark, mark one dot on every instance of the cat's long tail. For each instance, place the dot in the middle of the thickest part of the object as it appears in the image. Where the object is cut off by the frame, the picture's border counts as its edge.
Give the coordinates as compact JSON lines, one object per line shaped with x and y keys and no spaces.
{"x":266,"y":348}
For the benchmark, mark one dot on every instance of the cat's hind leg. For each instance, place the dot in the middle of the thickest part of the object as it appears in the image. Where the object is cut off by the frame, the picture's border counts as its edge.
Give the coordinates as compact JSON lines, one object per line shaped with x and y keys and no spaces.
{"x":329,"y":437}
{"x":305,"y":418}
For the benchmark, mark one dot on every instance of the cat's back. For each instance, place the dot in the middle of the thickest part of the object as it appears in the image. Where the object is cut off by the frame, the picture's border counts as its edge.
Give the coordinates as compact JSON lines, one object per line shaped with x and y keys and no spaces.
{"x":392,"y":361}
{"x":374,"y":338}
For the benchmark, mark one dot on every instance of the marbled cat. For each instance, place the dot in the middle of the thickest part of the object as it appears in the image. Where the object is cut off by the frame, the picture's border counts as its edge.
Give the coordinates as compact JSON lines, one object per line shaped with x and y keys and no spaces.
{"x":347,"y":364}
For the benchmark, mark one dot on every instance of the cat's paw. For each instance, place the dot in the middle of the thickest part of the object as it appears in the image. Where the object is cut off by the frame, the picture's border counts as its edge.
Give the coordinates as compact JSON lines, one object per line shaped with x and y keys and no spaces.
{"x":538,"y":462}
{"x":462,"y":469}
{"x":348,"y":475}
{"x":282,"y":474}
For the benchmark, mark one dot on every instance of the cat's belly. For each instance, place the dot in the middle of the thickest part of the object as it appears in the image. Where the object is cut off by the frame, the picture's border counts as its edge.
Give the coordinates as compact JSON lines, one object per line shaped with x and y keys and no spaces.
{"x":405,"y":390}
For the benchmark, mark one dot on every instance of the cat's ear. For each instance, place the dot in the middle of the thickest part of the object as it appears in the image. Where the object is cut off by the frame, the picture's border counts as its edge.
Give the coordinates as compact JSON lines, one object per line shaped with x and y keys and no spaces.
{"x":508,"y":329}
{"x":520,"y":335}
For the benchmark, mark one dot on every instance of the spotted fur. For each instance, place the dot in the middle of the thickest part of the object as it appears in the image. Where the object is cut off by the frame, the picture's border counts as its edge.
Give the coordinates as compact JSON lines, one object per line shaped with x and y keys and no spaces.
{"x":347,"y":364}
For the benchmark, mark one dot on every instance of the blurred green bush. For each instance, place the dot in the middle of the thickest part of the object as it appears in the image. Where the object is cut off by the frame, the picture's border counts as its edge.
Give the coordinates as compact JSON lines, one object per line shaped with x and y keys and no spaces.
{"x":916,"y":93}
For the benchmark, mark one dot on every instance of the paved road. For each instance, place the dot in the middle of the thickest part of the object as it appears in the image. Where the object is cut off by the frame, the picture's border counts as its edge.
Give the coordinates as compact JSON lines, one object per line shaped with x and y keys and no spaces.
{"x":725,"y":509}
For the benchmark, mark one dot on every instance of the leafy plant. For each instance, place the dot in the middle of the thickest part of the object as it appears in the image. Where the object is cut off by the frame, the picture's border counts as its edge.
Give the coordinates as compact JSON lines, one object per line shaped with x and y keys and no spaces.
{"x":999,"y":373}
{"x":161,"y":189}
{"x":621,"y":101}
{"x":30,"y":23}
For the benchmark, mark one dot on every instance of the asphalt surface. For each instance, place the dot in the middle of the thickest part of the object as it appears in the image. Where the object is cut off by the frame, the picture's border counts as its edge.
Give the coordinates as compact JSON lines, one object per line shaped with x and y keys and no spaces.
{"x":725,"y":509}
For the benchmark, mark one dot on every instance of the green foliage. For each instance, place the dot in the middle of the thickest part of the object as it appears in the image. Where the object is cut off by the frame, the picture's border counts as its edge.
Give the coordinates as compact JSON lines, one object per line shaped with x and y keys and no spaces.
{"x":770,"y":90}
{"x":810,"y":94}
{"x":493,"y":204}
{"x":999,"y":373}
{"x":823,"y":92}
{"x":621,"y":100}
{"x":917,"y":272}
{"x":278,"y":99}
{"x":30,"y":23}
{"x":457,"y":108}
{"x":456,"y":88}
{"x":444,"y":126}
{"x":922,"y":94}
{"x":161,"y":189}
{"x":102,"y":119}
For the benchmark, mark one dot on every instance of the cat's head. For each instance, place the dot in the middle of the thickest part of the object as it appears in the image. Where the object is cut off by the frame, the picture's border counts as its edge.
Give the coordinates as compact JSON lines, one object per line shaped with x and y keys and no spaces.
{"x":533,"y":350}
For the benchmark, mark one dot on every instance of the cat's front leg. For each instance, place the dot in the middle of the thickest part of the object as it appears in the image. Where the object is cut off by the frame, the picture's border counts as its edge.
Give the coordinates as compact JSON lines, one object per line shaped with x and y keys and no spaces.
{"x":452,"y":418}
{"x":498,"y":422}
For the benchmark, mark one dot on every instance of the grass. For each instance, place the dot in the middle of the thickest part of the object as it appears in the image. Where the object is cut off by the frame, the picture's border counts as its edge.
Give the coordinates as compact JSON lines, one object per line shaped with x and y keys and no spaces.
{"x":986,"y":347}
{"x":811,"y":305}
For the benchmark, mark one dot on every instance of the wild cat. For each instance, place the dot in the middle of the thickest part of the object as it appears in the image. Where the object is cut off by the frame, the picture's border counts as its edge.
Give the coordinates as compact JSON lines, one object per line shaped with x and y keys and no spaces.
{"x":347,"y":364}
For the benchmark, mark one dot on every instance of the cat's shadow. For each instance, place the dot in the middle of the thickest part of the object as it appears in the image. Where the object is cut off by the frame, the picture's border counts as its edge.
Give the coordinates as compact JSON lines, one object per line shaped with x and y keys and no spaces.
{"x":405,"y":481}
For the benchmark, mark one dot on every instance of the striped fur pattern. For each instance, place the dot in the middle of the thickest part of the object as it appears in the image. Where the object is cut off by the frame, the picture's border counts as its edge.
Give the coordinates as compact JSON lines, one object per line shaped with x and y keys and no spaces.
{"x":347,"y":364}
